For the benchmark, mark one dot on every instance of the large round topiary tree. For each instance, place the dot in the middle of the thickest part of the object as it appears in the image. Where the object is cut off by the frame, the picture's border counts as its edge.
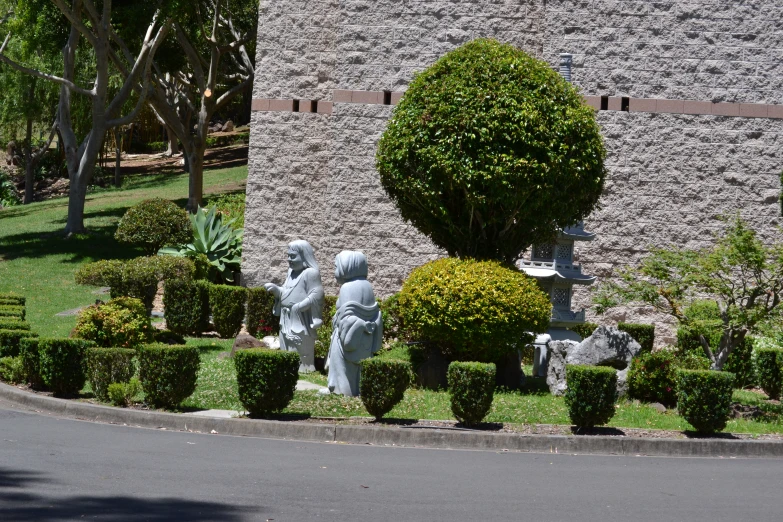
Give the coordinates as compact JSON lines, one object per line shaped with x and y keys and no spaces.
{"x":491,"y":151}
{"x":154,"y":223}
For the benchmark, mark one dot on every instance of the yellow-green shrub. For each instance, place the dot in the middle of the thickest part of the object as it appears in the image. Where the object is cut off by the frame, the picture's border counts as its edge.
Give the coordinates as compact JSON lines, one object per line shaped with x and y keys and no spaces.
{"x":122,"y":322}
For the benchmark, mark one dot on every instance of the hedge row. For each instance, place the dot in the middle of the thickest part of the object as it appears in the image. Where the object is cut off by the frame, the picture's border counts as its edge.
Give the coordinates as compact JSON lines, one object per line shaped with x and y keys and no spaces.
{"x":55,"y":364}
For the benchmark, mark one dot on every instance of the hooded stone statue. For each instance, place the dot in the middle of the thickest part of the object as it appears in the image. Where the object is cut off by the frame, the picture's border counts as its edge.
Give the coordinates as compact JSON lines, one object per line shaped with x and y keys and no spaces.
{"x":358,"y":324}
{"x":299,"y":303}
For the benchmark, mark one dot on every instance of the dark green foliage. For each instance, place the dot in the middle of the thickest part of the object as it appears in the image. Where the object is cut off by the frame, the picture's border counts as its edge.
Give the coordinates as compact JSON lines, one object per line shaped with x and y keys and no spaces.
{"x":260,"y":319}
{"x":7,"y":323}
{"x":13,"y":312}
{"x":266,"y":379}
{"x":61,"y":364}
{"x":704,"y":398}
{"x":740,"y":363}
{"x":490,"y":151}
{"x":591,"y":394}
{"x":324,"y":333}
{"x":12,"y":370}
{"x":122,"y":393}
{"x":228,"y":308}
{"x":121,"y":322}
{"x":383,"y":383}
{"x":11,"y":299}
{"x":644,"y":334}
{"x":137,"y":277}
{"x":168,"y":373}
{"x":187,"y":306}
{"x":769,"y":370}
{"x":584,"y":330}
{"x":473,"y":310}
{"x":392,"y":320}
{"x":167,"y":337}
{"x":652,"y":377}
{"x":9,"y":341}
{"x":231,"y":208}
{"x":31,"y":362}
{"x":693,"y":361}
{"x":471,"y":389}
{"x":153,"y":224}
{"x":109,"y":365}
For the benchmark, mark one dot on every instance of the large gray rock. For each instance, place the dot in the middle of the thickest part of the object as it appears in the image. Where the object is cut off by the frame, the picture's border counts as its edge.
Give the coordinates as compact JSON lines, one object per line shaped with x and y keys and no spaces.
{"x":607,"y":346}
{"x":556,"y":371}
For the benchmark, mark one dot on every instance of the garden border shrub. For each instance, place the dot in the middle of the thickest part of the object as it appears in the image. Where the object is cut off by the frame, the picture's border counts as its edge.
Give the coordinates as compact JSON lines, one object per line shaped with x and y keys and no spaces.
{"x":186,"y":305}
{"x":10,"y":298}
{"x":584,"y":330}
{"x":168,"y":373}
{"x":106,"y":366}
{"x":120,"y":322}
{"x":228,"y":309}
{"x":153,"y":224}
{"x":261,"y":322}
{"x":31,"y":362}
{"x":266,"y":379}
{"x":12,"y":370}
{"x":324,"y":333}
{"x":591,"y":395}
{"x":769,"y":369}
{"x":13,"y":324}
{"x":644,"y":334}
{"x":13,"y":311}
{"x":9,"y":341}
{"x":471,"y":390}
{"x":382,"y":384}
{"x":704,"y":398}
{"x":61,"y":364}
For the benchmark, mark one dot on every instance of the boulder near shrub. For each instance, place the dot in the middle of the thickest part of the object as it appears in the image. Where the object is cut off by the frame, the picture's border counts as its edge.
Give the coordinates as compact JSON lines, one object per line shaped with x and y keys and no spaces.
{"x":260,"y":319}
{"x":266,"y":379}
{"x":106,"y":366}
{"x":644,"y":334}
{"x":187,"y":306}
{"x":471,"y":389}
{"x":61,"y":364}
{"x":769,"y":369}
{"x":473,"y":310}
{"x":228,"y":308}
{"x":383,"y":383}
{"x":168,"y":373}
{"x":591,"y":394}
{"x":490,"y":151}
{"x":10,"y":339}
{"x":121,"y":322}
{"x":704,"y":398}
{"x":153,"y":224}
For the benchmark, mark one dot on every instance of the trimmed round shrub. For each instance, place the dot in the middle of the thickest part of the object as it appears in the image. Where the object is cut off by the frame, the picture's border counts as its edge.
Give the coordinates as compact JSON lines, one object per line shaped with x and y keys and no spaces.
{"x":12,"y":370}
{"x":704,"y":398}
{"x":7,"y":323}
{"x":109,"y":365}
{"x":168,"y":373}
{"x":31,"y":362}
{"x":121,"y":322}
{"x":153,"y":224}
{"x":471,"y":389}
{"x":769,"y":370}
{"x":12,"y":299}
{"x":10,"y":339}
{"x":644,"y":334}
{"x":228,"y":309}
{"x":584,"y":330}
{"x":260,"y":319}
{"x":591,"y":394}
{"x":122,"y":393}
{"x":61,"y":364}
{"x":652,"y":377}
{"x":187,"y":306}
{"x":324,"y":334}
{"x":383,"y":383}
{"x":13,"y":312}
{"x":266,"y":379}
{"x":490,"y":151}
{"x":473,"y":310}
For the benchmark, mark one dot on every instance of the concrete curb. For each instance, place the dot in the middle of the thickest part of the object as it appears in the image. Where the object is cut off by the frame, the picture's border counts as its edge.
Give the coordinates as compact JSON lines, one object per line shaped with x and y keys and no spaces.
{"x":394,"y":436}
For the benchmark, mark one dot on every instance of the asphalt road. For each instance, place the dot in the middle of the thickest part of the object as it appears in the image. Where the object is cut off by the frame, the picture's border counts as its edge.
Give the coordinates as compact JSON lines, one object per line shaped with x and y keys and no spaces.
{"x":58,"y":469}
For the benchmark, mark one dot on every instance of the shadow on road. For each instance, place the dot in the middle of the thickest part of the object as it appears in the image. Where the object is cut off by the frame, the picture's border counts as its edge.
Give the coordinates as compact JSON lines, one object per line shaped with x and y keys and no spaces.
{"x":16,"y":504}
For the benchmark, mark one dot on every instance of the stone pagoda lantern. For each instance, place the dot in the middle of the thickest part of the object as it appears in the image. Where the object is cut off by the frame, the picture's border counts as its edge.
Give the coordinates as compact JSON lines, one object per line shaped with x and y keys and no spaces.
{"x":552,"y":265}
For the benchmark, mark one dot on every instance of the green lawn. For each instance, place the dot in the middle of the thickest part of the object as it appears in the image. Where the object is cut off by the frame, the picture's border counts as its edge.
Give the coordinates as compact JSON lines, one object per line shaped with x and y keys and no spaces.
{"x":38,"y":262}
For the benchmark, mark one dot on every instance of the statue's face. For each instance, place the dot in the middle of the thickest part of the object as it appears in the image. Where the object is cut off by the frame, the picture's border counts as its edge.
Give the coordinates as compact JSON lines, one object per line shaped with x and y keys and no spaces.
{"x":295,"y":261}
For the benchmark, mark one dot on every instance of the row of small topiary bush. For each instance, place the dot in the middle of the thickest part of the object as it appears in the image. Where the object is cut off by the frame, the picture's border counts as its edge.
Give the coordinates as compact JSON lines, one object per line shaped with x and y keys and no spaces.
{"x":13,"y":328}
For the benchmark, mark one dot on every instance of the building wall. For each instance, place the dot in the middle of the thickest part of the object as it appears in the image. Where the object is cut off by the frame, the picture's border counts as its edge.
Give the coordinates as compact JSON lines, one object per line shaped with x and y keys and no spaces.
{"x":671,"y":175}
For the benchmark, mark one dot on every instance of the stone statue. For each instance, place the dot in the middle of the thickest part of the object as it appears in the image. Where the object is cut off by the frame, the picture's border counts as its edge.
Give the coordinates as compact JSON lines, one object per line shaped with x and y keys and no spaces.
{"x":299,"y":303}
{"x":358,"y":324}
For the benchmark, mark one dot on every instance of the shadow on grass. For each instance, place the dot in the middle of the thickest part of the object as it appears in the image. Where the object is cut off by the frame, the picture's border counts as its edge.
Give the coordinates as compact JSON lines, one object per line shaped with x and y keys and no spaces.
{"x":18,"y":503}
{"x":99,"y":243}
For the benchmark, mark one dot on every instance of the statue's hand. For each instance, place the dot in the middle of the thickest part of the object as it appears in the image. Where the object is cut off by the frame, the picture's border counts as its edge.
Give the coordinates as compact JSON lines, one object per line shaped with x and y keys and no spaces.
{"x":272,"y":289}
{"x":295,"y":309}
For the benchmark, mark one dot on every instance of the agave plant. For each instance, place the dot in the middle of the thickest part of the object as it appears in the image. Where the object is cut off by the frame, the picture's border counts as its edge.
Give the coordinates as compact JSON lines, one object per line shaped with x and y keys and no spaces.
{"x":218,"y":241}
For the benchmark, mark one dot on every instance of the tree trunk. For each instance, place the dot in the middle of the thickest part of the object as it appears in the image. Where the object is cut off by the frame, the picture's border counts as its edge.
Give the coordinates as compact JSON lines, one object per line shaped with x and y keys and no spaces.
{"x":195,"y":162}
{"x":77,"y":193}
{"x":173,"y":148}
{"x":29,"y":170}
{"x":118,"y":157}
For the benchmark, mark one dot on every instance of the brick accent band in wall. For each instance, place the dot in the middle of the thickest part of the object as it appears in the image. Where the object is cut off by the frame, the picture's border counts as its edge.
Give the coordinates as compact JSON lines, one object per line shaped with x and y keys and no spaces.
{"x":611,"y":103}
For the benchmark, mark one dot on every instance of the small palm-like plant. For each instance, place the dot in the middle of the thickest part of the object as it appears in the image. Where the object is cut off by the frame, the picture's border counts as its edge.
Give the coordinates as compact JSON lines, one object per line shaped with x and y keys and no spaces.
{"x":218,"y":241}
